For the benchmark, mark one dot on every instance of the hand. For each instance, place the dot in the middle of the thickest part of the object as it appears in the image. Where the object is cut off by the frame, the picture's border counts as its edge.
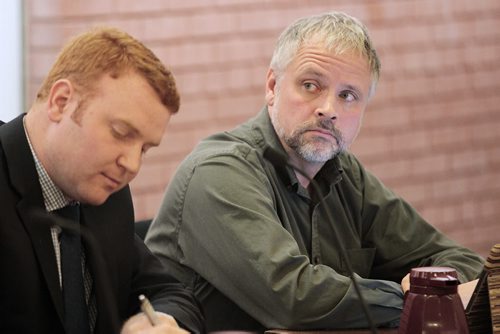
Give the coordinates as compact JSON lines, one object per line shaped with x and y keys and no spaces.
{"x":405,"y":283}
{"x":139,"y":323}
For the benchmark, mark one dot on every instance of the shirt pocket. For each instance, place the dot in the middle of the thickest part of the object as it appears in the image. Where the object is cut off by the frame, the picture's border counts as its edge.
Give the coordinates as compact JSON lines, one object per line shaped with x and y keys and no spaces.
{"x":361,"y":260}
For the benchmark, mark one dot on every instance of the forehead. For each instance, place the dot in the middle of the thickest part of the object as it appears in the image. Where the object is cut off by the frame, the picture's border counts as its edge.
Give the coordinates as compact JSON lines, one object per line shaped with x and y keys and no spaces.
{"x":319,"y":58}
{"x":130,"y":99}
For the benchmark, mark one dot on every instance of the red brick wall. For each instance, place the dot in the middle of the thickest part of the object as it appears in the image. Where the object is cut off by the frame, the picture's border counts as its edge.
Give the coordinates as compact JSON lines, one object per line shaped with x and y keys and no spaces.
{"x":430,"y":133}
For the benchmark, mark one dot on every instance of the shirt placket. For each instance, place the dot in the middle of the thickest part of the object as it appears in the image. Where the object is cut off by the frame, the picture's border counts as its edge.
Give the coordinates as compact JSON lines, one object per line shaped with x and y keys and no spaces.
{"x":315,"y":239}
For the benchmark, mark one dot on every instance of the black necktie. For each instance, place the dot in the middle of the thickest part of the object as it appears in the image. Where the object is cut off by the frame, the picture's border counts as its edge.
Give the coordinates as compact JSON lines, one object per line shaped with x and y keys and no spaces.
{"x":75,"y":309}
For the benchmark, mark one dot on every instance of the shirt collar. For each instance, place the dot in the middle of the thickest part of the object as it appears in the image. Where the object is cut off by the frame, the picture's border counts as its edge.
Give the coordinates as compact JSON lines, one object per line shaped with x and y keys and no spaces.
{"x":264,"y":135}
{"x":53,"y":197}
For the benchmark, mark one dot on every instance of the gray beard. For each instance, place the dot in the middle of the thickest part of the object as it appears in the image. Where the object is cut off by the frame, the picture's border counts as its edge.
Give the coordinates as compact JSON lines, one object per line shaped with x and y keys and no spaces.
{"x":315,"y":150}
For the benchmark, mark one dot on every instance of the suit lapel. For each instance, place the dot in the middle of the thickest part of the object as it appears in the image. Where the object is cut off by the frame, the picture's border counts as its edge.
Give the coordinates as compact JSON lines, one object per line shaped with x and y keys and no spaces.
{"x":41,"y":240}
{"x":24,"y":178}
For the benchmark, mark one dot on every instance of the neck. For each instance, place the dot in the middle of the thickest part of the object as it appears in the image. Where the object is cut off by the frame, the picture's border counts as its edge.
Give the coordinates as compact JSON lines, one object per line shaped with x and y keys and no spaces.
{"x":309,"y":168}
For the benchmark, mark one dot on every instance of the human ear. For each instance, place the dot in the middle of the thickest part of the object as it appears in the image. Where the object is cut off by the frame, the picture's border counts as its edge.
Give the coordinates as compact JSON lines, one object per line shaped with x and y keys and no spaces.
{"x":59,"y":99}
{"x":270,"y":87}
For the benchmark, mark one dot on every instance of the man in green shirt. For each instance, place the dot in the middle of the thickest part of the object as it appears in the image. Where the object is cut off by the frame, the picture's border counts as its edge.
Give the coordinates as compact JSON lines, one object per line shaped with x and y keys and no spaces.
{"x":254,"y":239}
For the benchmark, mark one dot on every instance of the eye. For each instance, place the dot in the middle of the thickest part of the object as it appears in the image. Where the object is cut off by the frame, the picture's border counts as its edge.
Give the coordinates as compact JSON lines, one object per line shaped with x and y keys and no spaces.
{"x":310,"y":87}
{"x":121,"y":131}
{"x":348,"y":96}
{"x":118,"y":133}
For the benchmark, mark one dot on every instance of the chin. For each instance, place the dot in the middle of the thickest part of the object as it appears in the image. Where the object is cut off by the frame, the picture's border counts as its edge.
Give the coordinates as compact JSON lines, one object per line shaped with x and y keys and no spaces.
{"x":96,"y":198}
{"x":97,"y":202}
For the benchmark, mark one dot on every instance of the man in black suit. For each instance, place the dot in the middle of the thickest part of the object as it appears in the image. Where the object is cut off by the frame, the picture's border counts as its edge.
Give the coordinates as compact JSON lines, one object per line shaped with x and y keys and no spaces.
{"x":105,"y":102}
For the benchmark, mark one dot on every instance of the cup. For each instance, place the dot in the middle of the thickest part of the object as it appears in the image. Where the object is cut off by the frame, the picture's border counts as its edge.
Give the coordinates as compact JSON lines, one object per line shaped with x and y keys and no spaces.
{"x":432,"y":305}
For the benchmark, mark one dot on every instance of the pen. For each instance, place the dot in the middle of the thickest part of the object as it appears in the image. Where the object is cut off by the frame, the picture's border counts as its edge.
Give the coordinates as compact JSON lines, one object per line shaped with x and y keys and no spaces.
{"x":147,"y":308}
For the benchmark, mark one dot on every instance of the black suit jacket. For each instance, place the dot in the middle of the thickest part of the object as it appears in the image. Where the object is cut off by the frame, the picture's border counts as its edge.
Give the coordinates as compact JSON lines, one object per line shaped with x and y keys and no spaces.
{"x":30,"y":296}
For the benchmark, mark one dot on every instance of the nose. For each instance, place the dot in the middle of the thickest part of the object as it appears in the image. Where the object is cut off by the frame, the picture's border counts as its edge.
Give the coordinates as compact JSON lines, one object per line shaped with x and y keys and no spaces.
{"x":327,"y":108}
{"x":131,"y":160}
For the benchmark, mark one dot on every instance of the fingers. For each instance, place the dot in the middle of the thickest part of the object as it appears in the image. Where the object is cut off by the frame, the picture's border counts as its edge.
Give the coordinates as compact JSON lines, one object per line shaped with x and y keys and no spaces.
{"x":163,"y":329}
{"x":166,"y":319}
{"x":140,"y":324}
{"x":405,"y":283}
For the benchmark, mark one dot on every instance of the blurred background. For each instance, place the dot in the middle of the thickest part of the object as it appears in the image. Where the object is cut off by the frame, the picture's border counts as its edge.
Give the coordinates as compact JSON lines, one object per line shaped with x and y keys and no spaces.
{"x":431,"y":133}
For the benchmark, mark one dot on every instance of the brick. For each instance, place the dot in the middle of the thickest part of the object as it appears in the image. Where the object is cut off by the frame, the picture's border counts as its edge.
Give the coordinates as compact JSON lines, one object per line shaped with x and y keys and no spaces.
{"x":155,"y":6}
{"x":482,"y":53}
{"x":167,"y":27}
{"x":416,"y":194}
{"x":483,"y":185}
{"x":41,"y":64}
{"x":409,"y":141}
{"x":242,"y":106}
{"x":488,"y":208}
{"x":153,"y":176}
{"x":398,"y":35}
{"x":474,"y":159}
{"x":486,"y":79}
{"x":485,"y":133}
{"x":371,"y":145}
{"x":444,"y":216}
{"x":454,"y":187}
{"x":383,"y":119}
{"x":194,"y":112}
{"x":429,"y":164}
{"x":449,"y":137}
{"x":178,"y":143}
{"x":390,"y":170}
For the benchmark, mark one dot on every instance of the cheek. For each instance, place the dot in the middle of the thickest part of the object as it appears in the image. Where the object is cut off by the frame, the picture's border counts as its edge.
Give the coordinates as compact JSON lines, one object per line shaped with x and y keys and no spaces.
{"x":292,"y":109}
{"x":294,"y":112}
{"x":350,"y":125}
{"x":290,"y":97}
{"x":93,"y":159}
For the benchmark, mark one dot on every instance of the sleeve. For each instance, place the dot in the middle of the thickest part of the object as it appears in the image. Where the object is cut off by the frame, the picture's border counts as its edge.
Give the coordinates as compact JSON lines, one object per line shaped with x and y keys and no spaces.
{"x":402,"y":238}
{"x":166,"y":294}
{"x":229,"y":232}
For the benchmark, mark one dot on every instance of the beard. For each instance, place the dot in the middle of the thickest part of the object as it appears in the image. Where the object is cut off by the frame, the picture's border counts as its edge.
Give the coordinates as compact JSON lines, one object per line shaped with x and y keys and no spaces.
{"x":315,"y":149}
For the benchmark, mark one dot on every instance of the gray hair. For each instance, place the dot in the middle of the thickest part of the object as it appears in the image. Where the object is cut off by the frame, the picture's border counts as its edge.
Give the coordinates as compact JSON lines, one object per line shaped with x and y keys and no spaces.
{"x":337,"y":31}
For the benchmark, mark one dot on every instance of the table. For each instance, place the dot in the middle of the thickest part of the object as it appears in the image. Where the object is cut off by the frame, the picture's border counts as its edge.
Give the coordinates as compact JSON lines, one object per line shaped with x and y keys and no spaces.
{"x":339,"y":331}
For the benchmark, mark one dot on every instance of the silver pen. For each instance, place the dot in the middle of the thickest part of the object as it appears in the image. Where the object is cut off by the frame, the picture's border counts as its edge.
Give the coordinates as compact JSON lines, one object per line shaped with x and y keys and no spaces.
{"x":148,"y":309}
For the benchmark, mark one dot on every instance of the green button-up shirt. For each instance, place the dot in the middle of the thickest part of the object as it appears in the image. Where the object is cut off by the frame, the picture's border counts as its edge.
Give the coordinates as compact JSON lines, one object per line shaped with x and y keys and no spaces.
{"x":260,"y":252}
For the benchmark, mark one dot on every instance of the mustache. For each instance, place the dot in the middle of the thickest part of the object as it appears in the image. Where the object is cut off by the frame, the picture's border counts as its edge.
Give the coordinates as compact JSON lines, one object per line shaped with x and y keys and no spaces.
{"x":324,"y":124}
